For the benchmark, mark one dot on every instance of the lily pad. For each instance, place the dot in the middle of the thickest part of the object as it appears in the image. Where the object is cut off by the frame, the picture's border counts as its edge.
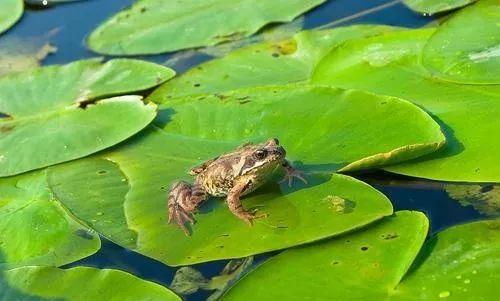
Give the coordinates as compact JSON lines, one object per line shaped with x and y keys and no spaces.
{"x":152,"y":162}
{"x":484,"y":198}
{"x":269,"y":63}
{"x":339,"y":130}
{"x":78,"y":284}
{"x":35,"y":229}
{"x":389,"y":64}
{"x":380,"y":255}
{"x":430,"y":7}
{"x":35,"y":104}
{"x":156,"y":26}
{"x":474,"y":57}
{"x":11,"y":12}
{"x":460,"y":263}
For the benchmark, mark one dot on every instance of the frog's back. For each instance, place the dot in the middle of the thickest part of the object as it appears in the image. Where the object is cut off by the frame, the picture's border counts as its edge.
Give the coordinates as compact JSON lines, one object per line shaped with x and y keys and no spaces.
{"x":218,"y":177}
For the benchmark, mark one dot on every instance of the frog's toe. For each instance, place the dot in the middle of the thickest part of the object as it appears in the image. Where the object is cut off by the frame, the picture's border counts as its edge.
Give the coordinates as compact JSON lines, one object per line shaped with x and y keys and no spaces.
{"x":290,"y":174}
{"x":180,"y":216}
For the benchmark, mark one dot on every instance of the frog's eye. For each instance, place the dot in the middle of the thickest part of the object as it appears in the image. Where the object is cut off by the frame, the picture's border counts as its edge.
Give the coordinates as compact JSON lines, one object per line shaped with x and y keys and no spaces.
{"x":260,"y":154}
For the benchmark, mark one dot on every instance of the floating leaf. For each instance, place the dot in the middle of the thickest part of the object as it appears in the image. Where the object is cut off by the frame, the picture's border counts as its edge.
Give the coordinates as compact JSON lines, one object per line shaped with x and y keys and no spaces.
{"x":466,"y":48}
{"x":11,"y":12}
{"x":152,"y":162}
{"x":460,"y":263}
{"x":265,"y":63}
{"x":389,"y":64}
{"x":364,"y":265}
{"x":52,"y":114}
{"x":335,"y":128}
{"x":484,"y":198}
{"x":78,"y":284}
{"x":156,"y":26}
{"x":35,"y":229}
{"x":430,"y":7}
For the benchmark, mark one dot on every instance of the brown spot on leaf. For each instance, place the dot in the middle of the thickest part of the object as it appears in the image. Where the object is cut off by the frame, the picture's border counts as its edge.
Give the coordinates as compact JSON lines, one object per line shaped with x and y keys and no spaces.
{"x":6,"y":128}
{"x":285,"y":47}
{"x":221,"y":96}
{"x":231,"y":36}
{"x":85,"y":103}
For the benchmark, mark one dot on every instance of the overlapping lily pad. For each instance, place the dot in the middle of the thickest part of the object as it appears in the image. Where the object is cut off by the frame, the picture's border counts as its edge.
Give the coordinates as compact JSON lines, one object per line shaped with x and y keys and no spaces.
{"x":430,"y":7}
{"x":460,"y":263}
{"x":78,"y":284}
{"x":156,"y":26}
{"x":389,"y":64}
{"x":466,"y":48}
{"x":11,"y":12}
{"x":35,"y":229}
{"x":196,"y":130}
{"x":55,"y":114}
{"x":363,"y":265}
{"x":268,"y":63}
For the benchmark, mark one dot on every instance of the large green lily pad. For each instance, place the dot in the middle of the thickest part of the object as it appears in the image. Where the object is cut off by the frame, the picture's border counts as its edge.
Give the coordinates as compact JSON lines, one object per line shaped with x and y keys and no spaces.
{"x":389,"y":64}
{"x":156,"y":26}
{"x":55,"y":114}
{"x":340,"y":130}
{"x":268,"y":63}
{"x":11,"y":12}
{"x":466,"y":48}
{"x":460,"y":263}
{"x":35,"y":229}
{"x":78,"y":284}
{"x":152,"y":162}
{"x":430,"y":7}
{"x":362,"y":265}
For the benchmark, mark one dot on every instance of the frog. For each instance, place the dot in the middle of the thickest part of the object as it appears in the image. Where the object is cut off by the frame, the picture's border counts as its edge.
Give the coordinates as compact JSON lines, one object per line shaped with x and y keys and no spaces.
{"x":231,"y":175}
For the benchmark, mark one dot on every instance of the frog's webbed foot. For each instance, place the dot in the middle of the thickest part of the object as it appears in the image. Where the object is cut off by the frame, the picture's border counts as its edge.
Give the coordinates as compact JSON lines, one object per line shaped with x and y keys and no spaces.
{"x":291,"y":173}
{"x":183,"y":199}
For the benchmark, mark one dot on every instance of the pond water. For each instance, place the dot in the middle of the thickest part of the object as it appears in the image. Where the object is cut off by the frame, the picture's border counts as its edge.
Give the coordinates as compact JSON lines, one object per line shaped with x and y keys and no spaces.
{"x":67,"y":25}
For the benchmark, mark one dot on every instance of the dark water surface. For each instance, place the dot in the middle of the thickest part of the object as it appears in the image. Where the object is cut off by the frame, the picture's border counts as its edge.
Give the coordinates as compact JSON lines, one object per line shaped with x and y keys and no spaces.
{"x":74,"y":21}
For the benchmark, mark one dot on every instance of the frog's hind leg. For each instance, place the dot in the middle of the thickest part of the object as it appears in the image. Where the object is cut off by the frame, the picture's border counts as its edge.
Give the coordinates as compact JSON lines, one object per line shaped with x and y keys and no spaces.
{"x":183,"y":200}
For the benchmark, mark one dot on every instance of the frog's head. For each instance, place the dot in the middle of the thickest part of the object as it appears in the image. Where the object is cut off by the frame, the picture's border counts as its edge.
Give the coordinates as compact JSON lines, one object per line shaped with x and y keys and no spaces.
{"x":263,"y":158}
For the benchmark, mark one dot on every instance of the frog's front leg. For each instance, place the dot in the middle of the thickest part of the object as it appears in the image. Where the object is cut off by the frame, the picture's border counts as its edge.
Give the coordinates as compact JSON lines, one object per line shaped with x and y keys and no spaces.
{"x":234,"y":202}
{"x":183,"y":200}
